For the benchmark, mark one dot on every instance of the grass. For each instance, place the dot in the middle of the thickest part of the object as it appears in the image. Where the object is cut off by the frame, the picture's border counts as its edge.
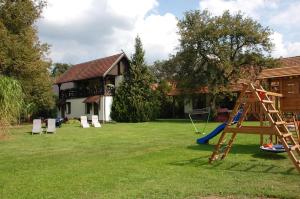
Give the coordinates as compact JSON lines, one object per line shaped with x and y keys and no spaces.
{"x":145,"y":160}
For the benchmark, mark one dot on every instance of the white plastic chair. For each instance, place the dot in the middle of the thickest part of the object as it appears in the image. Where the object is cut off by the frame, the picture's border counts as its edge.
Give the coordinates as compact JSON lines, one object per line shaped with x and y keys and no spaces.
{"x":51,"y":127}
{"x":84,"y":123}
{"x":95,"y":121}
{"x":37,"y":126}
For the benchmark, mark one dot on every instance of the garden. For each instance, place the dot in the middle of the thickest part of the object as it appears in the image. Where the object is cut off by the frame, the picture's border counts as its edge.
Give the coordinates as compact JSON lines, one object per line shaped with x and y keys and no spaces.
{"x":157,"y":159}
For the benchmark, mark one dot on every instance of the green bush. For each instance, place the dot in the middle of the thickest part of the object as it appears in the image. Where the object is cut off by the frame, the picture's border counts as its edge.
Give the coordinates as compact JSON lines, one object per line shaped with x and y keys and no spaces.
{"x":73,"y":121}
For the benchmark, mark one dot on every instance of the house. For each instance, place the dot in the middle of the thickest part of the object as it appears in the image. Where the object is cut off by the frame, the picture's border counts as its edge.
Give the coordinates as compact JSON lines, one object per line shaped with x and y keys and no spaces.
{"x":285,"y":80}
{"x":88,"y":88}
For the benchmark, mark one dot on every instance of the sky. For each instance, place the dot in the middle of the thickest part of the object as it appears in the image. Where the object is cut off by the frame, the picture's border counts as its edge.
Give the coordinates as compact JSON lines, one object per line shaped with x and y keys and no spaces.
{"x":83,"y":30}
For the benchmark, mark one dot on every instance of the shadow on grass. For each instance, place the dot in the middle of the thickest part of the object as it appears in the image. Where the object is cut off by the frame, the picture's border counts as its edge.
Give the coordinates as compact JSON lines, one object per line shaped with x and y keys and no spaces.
{"x":242,"y":149}
{"x":173,"y":120}
{"x":223,"y":165}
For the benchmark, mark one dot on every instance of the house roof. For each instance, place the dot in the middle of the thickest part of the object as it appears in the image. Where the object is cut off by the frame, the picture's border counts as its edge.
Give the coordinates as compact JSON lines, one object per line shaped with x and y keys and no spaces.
{"x":174,"y":91}
{"x":92,"y":99}
{"x":280,"y":72}
{"x":290,"y":66}
{"x":91,"y":69}
{"x":290,"y":61}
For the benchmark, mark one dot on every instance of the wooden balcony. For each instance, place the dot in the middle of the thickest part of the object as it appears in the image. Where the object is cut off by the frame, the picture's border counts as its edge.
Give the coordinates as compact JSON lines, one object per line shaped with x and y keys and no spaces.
{"x":80,"y":93}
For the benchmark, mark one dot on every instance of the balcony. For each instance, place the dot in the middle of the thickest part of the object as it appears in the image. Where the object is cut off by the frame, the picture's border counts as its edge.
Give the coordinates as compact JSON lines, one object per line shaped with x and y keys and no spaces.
{"x":86,"y":92}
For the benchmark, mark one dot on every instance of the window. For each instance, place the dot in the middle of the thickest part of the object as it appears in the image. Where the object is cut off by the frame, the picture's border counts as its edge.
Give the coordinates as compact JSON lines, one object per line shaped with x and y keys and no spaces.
{"x":199,"y":102}
{"x":88,"y":108}
{"x":96,"y":109}
{"x":68,"y":107}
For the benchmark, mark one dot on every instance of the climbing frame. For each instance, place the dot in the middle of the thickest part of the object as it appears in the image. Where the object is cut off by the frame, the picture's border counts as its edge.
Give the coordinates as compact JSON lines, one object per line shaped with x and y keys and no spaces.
{"x":255,"y":95}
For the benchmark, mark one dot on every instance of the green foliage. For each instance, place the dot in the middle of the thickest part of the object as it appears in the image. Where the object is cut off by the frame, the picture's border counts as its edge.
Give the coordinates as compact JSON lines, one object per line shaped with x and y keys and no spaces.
{"x":59,"y":69}
{"x":22,"y":56}
{"x":73,"y":121}
{"x":215,"y":51}
{"x":11,"y":100}
{"x":135,"y":101}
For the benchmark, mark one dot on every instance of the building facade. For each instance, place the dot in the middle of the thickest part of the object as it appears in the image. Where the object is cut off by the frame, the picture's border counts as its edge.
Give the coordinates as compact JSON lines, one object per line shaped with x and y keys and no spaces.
{"x":88,"y":88}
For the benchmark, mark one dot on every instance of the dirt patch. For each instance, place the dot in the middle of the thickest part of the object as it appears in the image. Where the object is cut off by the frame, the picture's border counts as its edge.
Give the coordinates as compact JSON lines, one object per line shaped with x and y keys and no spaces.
{"x":4,"y":136}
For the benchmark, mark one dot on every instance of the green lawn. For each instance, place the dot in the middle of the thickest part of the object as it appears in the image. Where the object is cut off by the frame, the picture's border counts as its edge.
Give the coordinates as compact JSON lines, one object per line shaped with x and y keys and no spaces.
{"x":144,"y":160}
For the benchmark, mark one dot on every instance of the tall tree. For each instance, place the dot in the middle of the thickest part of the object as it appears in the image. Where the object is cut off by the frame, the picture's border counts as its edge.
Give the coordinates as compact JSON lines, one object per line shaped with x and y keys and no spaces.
{"x":215,"y":51}
{"x":135,"y":100}
{"x":59,"y":68}
{"x":22,"y":55}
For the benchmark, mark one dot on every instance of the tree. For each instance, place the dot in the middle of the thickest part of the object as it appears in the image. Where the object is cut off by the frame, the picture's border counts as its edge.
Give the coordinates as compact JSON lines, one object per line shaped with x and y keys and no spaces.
{"x":135,"y":100}
{"x":215,"y":51}
{"x":22,"y":55}
{"x":59,"y":69}
{"x":11,"y":99}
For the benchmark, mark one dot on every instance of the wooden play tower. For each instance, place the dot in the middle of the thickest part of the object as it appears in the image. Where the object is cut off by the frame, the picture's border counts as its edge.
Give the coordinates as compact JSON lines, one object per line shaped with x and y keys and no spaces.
{"x":271,"y":123}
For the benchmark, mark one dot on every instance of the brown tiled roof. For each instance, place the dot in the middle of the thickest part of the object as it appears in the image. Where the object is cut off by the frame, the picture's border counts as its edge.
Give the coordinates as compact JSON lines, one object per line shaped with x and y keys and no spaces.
{"x":92,"y":99}
{"x":174,"y":91}
{"x":280,"y":72}
{"x":290,"y":61}
{"x":88,"y":70}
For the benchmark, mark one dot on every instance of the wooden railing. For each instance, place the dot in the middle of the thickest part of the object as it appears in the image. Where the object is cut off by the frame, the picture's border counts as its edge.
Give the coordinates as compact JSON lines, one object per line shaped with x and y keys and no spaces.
{"x":79,"y":93}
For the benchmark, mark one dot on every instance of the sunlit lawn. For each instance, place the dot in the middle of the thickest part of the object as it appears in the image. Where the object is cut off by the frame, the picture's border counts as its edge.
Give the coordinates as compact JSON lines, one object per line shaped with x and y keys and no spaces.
{"x":145,"y":160}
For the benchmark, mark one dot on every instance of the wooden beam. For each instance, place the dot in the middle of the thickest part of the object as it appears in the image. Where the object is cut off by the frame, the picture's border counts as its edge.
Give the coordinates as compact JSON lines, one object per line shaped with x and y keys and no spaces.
{"x":251,"y":130}
{"x":274,"y":94}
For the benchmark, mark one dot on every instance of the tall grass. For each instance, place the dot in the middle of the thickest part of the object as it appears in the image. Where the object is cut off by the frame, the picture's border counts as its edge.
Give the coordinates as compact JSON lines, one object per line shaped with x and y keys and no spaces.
{"x":11,"y":100}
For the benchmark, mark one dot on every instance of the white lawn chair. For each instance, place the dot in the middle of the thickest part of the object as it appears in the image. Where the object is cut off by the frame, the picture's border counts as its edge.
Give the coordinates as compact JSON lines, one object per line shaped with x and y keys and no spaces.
{"x":95,"y":121}
{"x":84,"y":123}
{"x":37,"y":126}
{"x":51,"y":127}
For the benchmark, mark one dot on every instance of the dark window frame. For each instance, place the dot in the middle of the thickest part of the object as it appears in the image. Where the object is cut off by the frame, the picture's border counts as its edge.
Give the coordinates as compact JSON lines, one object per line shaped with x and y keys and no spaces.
{"x":68,"y":107}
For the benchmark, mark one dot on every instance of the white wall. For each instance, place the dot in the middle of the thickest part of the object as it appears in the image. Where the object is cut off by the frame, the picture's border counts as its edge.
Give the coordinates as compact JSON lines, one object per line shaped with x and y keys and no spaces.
{"x":77,"y":108}
{"x":105,"y":108}
{"x":108,"y":104}
{"x":118,"y":80}
{"x":188,"y":105}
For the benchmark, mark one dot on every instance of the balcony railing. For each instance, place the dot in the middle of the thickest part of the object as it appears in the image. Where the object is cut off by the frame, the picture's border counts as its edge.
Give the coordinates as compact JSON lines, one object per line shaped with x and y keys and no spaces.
{"x":79,"y":93}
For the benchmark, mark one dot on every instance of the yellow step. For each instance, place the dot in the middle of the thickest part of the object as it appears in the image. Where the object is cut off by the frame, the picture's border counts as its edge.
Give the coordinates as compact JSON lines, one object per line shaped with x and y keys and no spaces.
{"x":267,"y":101}
{"x":280,"y":122}
{"x":273,"y":111}
{"x":286,"y":135}
{"x":293,"y":148}
{"x":260,"y":90}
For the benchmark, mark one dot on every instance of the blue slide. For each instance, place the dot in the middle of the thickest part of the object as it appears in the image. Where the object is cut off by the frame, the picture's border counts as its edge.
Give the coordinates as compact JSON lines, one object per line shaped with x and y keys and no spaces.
{"x":219,"y":129}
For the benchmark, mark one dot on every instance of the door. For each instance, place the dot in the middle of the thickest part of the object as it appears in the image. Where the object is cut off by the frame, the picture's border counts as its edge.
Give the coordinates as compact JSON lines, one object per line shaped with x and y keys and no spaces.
{"x":96,"y":108}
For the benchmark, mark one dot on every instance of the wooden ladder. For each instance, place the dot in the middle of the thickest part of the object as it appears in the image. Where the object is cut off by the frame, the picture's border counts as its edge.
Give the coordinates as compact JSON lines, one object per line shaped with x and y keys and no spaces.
{"x":221,"y":152}
{"x":286,"y":138}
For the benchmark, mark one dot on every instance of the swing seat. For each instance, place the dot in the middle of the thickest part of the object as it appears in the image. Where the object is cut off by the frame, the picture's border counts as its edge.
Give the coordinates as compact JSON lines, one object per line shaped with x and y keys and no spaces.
{"x":276,"y":148}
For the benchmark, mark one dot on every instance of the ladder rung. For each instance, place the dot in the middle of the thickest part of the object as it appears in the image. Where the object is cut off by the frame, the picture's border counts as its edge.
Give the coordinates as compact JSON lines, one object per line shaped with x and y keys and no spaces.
{"x":286,"y":135}
{"x":267,"y":101}
{"x":273,"y":111}
{"x":293,"y":148}
{"x":260,"y":90}
{"x":280,"y":122}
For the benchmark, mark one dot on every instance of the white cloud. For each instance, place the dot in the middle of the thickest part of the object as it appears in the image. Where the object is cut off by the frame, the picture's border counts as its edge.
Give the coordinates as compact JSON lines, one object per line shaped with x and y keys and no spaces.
{"x":288,"y":17}
{"x":217,"y":7}
{"x":279,"y":47}
{"x":81,"y":30}
{"x":284,"y":49}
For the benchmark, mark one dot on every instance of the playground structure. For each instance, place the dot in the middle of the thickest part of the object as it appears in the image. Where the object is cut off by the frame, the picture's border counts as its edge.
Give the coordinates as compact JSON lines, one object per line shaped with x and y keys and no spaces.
{"x":255,"y":99}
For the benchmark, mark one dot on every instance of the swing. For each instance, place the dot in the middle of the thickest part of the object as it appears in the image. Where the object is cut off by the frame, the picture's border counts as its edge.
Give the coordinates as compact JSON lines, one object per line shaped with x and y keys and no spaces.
{"x":200,"y":112}
{"x":276,"y":148}
{"x":273,"y":148}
